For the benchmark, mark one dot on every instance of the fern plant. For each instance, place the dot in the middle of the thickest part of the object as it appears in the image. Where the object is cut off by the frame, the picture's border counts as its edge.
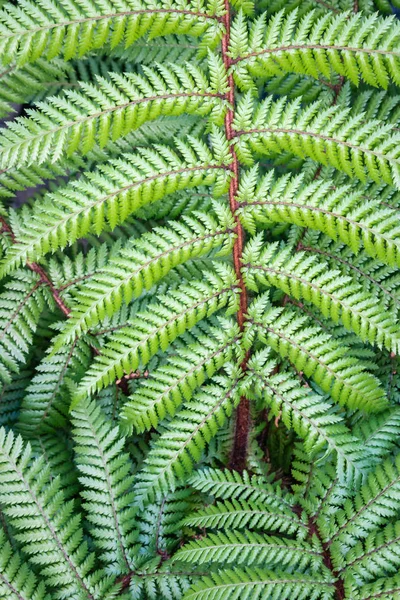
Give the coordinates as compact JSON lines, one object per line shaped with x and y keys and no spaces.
{"x":209,"y":250}
{"x":53,"y":545}
{"x":317,"y":540}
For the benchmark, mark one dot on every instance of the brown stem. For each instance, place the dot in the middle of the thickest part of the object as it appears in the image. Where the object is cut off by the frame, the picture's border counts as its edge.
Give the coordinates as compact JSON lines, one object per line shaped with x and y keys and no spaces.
{"x":340,"y":593}
{"x":44,"y":278}
{"x":122,"y":383}
{"x":242,"y":425}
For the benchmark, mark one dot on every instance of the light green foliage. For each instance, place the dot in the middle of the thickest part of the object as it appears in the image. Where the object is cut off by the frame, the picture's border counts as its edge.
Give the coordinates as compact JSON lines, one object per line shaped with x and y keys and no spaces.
{"x":199,"y":305}
{"x":353,"y":46}
{"x":181,"y":445}
{"x":21,"y":303}
{"x":42,"y":514}
{"x":352,"y":533}
{"x":105,"y":111}
{"x":48,"y":555}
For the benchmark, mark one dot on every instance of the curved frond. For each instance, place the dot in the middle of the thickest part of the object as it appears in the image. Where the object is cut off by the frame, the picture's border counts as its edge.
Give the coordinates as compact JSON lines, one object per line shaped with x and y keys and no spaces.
{"x":352,"y":45}
{"x":46,"y":28}
{"x":175,"y":382}
{"x":316,"y":354}
{"x":343,"y":212}
{"x":330,"y":136}
{"x":242,"y":514}
{"x":46,"y":401}
{"x":140,"y":264}
{"x":230,"y":485}
{"x":157,"y":327}
{"x":336,"y":295}
{"x":76,"y":121}
{"x":106,"y":197}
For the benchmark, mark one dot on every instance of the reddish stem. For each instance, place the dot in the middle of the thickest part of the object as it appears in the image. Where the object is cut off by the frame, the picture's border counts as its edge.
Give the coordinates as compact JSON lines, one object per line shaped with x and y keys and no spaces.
{"x":44,"y":278}
{"x":242,"y":426}
{"x":340,"y":593}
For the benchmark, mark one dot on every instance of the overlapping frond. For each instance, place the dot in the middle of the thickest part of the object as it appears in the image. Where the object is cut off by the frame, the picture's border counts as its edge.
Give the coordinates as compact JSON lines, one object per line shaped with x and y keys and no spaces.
{"x":158,"y":326}
{"x":176,"y":451}
{"x":109,"y":195}
{"x":336,"y":295}
{"x":344,"y":213}
{"x":50,"y":29}
{"x":353,"y":46}
{"x":330,"y":136}
{"x":177,"y":380}
{"x":78,"y":120}
{"x":142,"y":263}
{"x":377,"y":501}
{"x":47,"y":398}
{"x":228,"y":485}
{"x":316,"y":354}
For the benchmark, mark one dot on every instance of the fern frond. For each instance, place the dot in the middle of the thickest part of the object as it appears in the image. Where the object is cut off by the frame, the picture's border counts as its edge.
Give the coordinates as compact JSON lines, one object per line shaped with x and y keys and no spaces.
{"x":17,"y":580}
{"x":46,"y":526}
{"x":341,"y":212}
{"x":15,"y":82}
{"x":251,"y":548}
{"x":46,"y":401}
{"x":55,"y":448}
{"x":157,"y":327}
{"x":386,"y":588}
{"x":11,"y":397}
{"x":78,"y":120}
{"x":330,"y":136}
{"x":237,"y":514}
{"x":47,"y":29}
{"x":113,"y":192}
{"x":367,"y":558}
{"x":252,"y":582}
{"x":175,"y":452}
{"x":308,"y":414}
{"x":21,"y":304}
{"x":142,"y":263}
{"x":379,"y":279}
{"x":106,"y":480}
{"x":231,"y":485}
{"x":316,"y":354}
{"x":376,"y":502}
{"x":176,"y":381}
{"x":337,"y":296}
{"x":353,"y":46}
{"x":379,"y":434}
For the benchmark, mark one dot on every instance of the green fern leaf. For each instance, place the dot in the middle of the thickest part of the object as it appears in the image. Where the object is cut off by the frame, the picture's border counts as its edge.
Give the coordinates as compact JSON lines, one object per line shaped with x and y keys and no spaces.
{"x":42,"y":514}
{"x":106,"y":480}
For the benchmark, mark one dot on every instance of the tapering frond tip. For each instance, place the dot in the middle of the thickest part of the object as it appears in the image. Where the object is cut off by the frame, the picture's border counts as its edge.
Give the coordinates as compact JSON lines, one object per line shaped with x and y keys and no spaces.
{"x":174,"y":455}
